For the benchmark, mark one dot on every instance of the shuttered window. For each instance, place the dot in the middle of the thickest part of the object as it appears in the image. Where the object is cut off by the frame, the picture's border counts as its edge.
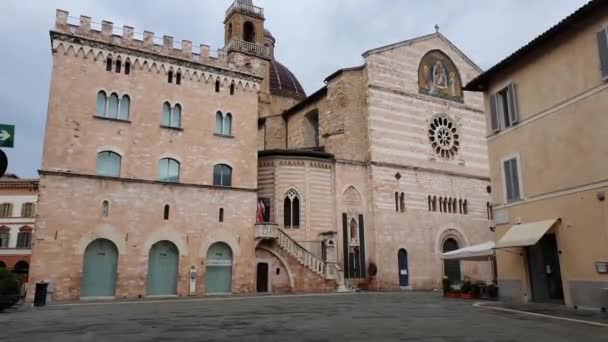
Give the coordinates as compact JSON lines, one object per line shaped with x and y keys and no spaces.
{"x":6,"y":210}
{"x":602,"y":41}
{"x":503,"y":108}
{"x":512,"y":180}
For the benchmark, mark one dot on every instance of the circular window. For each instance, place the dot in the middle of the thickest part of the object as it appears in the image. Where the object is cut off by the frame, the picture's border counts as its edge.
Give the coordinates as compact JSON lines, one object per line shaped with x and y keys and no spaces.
{"x":444,"y":137}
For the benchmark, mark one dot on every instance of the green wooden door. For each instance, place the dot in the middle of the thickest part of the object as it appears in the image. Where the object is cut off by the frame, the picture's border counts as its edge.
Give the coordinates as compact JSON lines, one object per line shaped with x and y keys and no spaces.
{"x":218,"y":270}
{"x":162,"y":269}
{"x":99,"y":269}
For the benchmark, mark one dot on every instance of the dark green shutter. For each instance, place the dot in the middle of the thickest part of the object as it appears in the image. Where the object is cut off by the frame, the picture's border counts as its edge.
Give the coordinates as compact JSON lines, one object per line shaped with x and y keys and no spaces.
{"x":345,"y":244}
{"x":602,"y":41}
{"x":494,"y":114}
{"x":512,"y":98}
{"x":362,"y":246}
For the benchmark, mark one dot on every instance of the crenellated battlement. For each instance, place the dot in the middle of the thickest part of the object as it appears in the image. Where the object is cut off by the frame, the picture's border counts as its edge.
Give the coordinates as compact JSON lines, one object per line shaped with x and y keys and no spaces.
{"x":127,"y":37}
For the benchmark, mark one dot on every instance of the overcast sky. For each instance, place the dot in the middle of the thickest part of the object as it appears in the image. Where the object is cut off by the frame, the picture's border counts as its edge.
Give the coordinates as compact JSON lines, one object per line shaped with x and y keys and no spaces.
{"x":314,"y":38}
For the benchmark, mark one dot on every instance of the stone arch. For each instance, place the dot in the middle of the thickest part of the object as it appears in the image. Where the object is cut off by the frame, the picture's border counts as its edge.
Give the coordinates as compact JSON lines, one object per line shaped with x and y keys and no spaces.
{"x":447,"y":232}
{"x":352,"y":197}
{"x":166,"y":235}
{"x":282,"y":261}
{"x":103,"y":231}
{"x":438,"y":76}
{"x":221,"y":236}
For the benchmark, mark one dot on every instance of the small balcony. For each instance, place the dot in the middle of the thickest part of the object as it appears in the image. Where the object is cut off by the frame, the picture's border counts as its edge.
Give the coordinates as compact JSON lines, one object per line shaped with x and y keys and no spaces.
{"x":266,"y":231}
{"x":248,"y":48}
{"x":244,"y":8}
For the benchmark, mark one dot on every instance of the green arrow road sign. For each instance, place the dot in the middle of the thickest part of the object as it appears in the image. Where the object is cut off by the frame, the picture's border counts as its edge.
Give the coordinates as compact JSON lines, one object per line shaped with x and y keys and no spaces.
{"x":7,"y":135}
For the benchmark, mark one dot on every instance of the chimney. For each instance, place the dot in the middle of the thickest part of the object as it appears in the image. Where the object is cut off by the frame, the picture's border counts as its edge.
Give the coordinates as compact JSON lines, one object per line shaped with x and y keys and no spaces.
{"x":148,"y":38}
{"x":107,"y":27}
{"x":61,"y":20}
{"x":127,"y":33}
{"x":85,"y":24}
{"x":187,"y":48}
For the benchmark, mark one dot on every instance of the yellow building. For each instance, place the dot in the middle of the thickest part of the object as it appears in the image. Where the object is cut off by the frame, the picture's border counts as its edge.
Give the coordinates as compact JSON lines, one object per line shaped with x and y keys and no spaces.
{"x":546,"y":109}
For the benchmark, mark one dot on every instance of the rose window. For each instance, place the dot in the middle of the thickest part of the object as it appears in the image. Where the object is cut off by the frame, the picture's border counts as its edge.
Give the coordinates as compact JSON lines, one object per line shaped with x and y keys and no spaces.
{"x":444,"y":137}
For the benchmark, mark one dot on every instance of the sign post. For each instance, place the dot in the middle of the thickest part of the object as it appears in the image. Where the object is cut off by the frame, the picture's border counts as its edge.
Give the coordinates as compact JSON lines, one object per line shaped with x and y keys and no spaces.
{"x":7,"y":136}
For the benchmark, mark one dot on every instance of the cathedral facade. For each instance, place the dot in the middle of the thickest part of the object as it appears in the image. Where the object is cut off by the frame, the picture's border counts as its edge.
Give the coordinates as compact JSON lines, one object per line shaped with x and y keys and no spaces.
{"x":151,"y":150}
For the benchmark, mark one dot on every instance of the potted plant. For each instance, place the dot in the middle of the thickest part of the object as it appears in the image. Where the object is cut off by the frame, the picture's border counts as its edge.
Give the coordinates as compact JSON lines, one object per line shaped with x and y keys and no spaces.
{"x":465,"y":289}
{"x":493,"y":290}
{"x":10,"y":286}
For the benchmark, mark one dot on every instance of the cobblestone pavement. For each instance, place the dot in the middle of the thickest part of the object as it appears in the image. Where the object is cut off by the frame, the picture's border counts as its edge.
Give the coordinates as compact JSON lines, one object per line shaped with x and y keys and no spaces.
{"x":423,"y":317}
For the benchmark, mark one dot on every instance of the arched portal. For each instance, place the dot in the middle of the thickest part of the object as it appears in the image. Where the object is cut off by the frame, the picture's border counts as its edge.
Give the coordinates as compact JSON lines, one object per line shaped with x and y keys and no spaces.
{"x":162,"y":269}
{"x":218,"y":270}
{"x":451,"y":268}
{"x":404,"y":276}
{"x":99,"y":269}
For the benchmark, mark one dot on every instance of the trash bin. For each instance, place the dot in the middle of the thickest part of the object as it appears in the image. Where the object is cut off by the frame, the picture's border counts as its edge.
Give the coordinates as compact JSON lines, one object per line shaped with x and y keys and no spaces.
{"x":40,"y":295}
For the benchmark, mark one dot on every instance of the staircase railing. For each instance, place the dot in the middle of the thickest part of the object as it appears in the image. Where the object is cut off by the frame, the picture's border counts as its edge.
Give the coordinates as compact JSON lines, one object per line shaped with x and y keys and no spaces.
{"x":302,"y":254}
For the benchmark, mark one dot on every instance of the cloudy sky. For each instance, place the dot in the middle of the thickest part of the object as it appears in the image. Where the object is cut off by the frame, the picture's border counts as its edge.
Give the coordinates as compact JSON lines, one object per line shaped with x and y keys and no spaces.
{"x":314,"y":38}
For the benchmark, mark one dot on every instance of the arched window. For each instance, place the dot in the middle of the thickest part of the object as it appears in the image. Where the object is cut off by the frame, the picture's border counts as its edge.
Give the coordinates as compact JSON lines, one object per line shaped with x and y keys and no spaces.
{"x":109,"y":64}
{"x":217,"y":86}
{"x":291,"y":209}
{"x":108,"y":164}
{"x":24,"y":238}
{"x":113,"y":106}
{"x":125,"y":103}
{"x":105,"y":208}
{"x":166,"y":114}
{"x":434,"y":203}
{"x":176,"y":118}
{"x":168,"y":170}
{"x":232,"y":88}
{"x":219,"y":122}
{"x":221,"y":218}
{"x":102,"y":101}
{"x":402,"y":202}
{"x":172,"y":117}
{"x":227,"y":124}
{"x":465,"y":210}
{"x":178,"y":78}
{"x":440,"y":204}
{"x":166,"y":212}
{"x":222,"y":175}
{"x":170,"y":76}
{"x":127,"y":67}
{"x":249,"y":32}
{"x":229,"y":31}
{"x":354,"y":236}
{"x":4,"y":236}
{"x":118,"y":66}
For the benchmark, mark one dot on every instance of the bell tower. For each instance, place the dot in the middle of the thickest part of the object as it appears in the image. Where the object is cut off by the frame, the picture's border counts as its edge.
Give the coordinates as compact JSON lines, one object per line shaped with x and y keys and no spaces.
{"x":244,"y":29}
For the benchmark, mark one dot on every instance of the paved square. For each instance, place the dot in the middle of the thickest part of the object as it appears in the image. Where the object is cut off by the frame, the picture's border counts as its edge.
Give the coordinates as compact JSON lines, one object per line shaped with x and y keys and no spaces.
{"x":421,"y":317}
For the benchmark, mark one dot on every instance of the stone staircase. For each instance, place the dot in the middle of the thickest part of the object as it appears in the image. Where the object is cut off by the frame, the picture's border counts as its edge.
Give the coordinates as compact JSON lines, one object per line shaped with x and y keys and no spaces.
{"x":327,"y":270}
